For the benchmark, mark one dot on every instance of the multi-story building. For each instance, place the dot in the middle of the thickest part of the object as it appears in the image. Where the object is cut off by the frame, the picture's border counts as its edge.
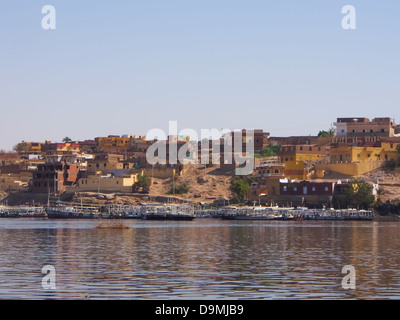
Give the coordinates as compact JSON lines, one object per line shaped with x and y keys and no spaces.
{"x":57,"y":148}
{"x":113,"y":142}
{"x":363,"y":150}
{"x":103,"y":163}
{"x":354,"y":156}
{"x":295,"y":158}
{"x":268,"y":175}
{"x":257,"y":138}
{"x":55,"y":177}
{"x":30,"y":147}
{"x":363,"y":127}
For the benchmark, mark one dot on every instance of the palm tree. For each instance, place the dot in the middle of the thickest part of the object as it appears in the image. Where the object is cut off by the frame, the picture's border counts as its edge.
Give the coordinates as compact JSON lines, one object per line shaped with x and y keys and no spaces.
{"x":67,"y":139}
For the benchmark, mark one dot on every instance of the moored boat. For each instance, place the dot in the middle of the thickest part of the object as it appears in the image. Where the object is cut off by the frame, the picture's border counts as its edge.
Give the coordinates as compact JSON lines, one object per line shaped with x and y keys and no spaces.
{"x":294,"y":214}
{"x":167,"y":212}
{"x":77,"y":212}
{"x":22,"y":212}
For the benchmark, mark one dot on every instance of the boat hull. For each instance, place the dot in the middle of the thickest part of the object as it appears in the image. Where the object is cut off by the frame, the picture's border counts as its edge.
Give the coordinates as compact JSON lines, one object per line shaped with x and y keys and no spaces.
{"x":168,"y":217}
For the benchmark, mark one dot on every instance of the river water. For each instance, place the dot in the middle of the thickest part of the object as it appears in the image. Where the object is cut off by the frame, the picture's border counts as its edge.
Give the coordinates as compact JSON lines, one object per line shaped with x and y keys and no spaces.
{"x":199,"y":259}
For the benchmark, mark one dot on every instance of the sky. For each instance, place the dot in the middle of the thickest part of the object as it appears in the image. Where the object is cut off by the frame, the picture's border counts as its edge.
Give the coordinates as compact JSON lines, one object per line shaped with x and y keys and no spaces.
{"x":125,"y":67}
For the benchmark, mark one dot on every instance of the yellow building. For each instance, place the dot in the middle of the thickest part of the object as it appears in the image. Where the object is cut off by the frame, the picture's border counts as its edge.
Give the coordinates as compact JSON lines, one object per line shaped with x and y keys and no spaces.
{"x":358,"y":157}
{"x":113,"y":142}
{"x":31,"y":147}
{"x":382,"y":151}
{"x":295,"y":158}
{"x":61,"y":148}
{"x":268,"y":175}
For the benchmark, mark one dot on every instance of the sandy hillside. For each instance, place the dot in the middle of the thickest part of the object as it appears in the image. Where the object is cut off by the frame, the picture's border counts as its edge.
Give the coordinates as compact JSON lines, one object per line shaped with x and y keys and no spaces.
{"x":205,"y":184}
{"x":389,"y":182}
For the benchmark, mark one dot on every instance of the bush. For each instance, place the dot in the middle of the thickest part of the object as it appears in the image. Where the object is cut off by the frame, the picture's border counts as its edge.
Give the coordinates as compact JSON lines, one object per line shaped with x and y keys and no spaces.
{"x":240,"y":186}
{"x":269,"y":151}
{"x":388,"y":207}
{"x":179,"y":188}
{"x":359,"y":194}
{"x":142,"y":184}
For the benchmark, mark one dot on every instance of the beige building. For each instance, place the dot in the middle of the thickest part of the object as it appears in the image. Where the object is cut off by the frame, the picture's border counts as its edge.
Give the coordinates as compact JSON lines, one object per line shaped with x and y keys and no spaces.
{"x":103,"y":165}
{"x":362,"y":127}
{"x":105,"y":184}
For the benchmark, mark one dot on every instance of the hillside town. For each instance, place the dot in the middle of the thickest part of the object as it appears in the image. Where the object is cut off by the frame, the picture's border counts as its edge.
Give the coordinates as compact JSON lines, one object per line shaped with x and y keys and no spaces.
{"x":312,"y":171}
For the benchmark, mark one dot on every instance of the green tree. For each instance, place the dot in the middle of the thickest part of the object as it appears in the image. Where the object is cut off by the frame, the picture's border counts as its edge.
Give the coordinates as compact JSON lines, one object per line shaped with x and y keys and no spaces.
{"x":268,"y":151}
{"x":359,"y":194}
{"x":143,"y":183}
{"x":330,"y":133}
{"x":20,"y":147}
{"x":240,"y":188}
{"x":67,"y":140}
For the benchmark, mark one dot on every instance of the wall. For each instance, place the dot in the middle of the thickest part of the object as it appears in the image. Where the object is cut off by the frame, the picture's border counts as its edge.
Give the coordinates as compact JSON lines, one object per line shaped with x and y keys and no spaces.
{"x":104,"y":184}
{"x":103,"y":165}
{"x":351,"y":169}
{"x":346,"y":154}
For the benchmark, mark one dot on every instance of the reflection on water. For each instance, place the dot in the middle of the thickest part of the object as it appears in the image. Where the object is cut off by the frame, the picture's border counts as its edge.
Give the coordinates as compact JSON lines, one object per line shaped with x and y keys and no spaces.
{"x":200,"y":259}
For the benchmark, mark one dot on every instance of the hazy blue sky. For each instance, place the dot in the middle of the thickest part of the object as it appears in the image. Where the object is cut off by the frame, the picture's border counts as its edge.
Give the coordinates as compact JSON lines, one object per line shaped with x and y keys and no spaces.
{"x":124,"y":67}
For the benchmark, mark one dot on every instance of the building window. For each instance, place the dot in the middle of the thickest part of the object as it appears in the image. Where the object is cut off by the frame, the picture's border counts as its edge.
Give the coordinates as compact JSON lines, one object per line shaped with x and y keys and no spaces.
{"x":382,"y":130}
{"x":326,"y":189}
{"x":313,"y":189}
{"x":285,"y":189}
{"x":295,"y":189}
{"x":276,"y":171}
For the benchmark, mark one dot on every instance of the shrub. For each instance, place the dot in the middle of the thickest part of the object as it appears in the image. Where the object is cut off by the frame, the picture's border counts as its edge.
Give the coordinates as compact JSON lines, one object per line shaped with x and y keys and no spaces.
{"x":179,"y":188}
